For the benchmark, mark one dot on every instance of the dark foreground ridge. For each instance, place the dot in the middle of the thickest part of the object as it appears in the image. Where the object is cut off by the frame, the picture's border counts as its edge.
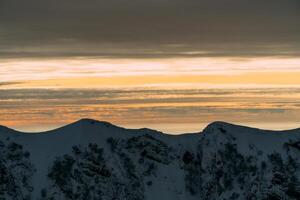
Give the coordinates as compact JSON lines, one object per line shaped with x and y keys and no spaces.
{"x":91,"y":160}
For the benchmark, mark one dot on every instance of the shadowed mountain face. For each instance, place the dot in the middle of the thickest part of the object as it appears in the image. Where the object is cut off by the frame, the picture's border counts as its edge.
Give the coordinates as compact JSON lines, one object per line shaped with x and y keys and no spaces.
{"x":97,"y":160}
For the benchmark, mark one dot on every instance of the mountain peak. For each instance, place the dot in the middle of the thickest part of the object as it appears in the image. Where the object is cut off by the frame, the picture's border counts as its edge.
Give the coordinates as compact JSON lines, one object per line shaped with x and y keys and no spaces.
{"x":223,"y":127}
{"x":218,"y":124}
{"x":88,"y":121}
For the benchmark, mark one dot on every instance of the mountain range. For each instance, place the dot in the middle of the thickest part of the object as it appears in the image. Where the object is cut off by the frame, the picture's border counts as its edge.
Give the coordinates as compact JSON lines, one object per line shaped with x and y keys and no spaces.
{"x":94,"y":160}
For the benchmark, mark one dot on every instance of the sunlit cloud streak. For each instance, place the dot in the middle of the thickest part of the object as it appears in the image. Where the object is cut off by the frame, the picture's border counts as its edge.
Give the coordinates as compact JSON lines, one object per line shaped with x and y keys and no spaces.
{"x":39,"y":69}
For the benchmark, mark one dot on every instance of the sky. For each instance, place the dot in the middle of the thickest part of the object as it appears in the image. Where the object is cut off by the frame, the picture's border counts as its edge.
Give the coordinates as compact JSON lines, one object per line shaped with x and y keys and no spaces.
{"x":169,"y":65}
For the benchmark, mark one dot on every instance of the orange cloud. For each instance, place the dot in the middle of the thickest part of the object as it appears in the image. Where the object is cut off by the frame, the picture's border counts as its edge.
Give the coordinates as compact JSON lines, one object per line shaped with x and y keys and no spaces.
{"x":193,"y":81}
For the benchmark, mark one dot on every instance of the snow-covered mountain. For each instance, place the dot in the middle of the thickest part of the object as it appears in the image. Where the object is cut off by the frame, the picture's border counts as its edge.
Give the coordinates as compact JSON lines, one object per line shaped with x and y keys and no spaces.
{"x":93,"y":160}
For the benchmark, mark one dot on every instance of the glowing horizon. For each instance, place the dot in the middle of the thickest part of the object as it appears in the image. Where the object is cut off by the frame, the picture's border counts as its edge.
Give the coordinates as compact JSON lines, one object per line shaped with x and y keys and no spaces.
{"x":167,"y":93}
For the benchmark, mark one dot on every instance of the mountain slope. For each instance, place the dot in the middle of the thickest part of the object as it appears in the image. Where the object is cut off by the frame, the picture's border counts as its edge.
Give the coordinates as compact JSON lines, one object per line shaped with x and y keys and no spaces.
{"x":89,"y":159}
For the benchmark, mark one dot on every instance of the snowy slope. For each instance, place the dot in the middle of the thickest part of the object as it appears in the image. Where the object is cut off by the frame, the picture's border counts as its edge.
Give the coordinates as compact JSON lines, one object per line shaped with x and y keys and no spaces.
{"x":89,"y":159}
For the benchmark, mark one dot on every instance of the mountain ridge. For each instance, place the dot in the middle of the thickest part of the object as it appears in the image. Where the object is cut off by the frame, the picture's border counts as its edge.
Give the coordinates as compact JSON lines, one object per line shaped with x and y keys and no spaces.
{"x":91,"y":160}
{"x":90,"y":121}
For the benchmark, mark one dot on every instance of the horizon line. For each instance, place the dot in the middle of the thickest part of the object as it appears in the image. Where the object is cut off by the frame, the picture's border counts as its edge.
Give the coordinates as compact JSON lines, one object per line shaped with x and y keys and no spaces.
{"x":93,"y":121}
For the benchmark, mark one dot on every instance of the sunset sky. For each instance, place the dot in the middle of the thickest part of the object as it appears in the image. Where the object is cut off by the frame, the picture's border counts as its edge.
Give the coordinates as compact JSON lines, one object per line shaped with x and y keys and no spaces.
{"x":173,"y":65}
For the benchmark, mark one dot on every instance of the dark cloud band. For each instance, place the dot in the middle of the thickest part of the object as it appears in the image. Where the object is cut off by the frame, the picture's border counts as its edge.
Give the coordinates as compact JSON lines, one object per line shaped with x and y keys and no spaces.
{"x":123,"y":28}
